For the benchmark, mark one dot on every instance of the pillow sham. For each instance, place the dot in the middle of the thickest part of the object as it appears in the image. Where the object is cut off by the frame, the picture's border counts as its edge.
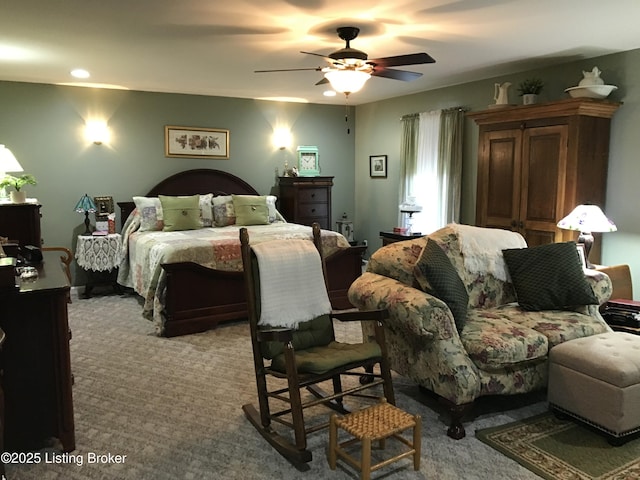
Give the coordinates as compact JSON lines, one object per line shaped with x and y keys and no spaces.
{"x":150,"y":210}
{"x":251,"y":209}
{"x":206,"y":210}
{"x":548,"y":277}
{"x":180,"y":213}
{"x":437,"y":276}
{"x":223,"y":211}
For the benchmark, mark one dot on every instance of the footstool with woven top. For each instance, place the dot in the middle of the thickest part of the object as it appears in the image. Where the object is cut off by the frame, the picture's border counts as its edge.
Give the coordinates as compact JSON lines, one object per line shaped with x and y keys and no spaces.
{"x":597,"y":380}
{"x":375,"y":423}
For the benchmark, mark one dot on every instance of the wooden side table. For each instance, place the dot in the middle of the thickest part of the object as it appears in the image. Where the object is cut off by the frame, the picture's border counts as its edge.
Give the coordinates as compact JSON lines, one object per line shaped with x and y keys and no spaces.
{"x":392,"y":237}
{"x":100,"y":257}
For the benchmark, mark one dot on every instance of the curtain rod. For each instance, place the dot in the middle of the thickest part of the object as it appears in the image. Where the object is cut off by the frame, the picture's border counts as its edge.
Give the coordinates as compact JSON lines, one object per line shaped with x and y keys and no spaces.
{"x":413,"y":115}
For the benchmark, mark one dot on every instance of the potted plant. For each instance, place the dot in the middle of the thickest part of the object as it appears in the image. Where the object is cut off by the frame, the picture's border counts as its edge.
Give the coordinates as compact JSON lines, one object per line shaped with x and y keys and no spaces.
{"x":530,"y":89}
{"x":18,"y":196}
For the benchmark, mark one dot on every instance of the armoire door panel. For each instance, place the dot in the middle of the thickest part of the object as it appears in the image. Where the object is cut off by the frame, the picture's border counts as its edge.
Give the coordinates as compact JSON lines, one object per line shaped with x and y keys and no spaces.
{"x":500,"y":195}
{"x":544,"y":162}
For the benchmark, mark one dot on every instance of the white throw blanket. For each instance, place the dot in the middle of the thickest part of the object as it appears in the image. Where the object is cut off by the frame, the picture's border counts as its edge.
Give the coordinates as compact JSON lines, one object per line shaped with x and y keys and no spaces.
{"x":292,"y":288}
{"x":482,"y":248}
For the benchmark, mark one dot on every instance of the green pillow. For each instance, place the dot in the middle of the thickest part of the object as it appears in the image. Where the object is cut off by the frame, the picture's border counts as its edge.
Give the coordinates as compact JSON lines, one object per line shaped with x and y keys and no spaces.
{"x":251,"y":209}
{"x":436,"y":275}
{"x":180,"y":213}
{"x":548,"y":277}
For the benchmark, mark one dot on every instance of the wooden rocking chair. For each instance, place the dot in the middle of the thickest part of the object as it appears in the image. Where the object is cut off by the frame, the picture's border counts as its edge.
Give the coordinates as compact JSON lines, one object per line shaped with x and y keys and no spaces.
{"x":288,"y":360}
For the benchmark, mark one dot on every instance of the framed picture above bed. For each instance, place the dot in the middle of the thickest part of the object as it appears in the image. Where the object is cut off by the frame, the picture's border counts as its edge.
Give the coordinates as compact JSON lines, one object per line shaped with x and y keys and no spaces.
{"x":195,"y":142}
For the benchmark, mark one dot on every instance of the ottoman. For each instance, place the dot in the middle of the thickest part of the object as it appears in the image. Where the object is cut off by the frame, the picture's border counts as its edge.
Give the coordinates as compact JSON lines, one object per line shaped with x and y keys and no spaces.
{"x":597,"y":380}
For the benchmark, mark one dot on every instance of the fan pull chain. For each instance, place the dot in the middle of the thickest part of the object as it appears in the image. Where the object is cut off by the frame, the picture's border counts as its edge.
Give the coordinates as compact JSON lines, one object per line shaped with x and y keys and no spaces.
{"x":346,"y":112}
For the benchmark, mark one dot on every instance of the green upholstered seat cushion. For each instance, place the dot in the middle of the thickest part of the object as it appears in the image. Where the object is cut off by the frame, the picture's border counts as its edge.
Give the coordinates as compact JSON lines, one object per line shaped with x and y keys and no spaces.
{"x":548,"y":277}
{"x":436,"y":275}
{"x":180,"y":213}
{"x":318,"y":360}
{"x":251,"y":209}
{"x":314,"y":333}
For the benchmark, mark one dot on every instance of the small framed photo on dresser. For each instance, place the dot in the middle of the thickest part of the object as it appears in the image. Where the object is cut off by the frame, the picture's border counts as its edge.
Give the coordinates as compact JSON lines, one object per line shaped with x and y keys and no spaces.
{"x":582,"y":254}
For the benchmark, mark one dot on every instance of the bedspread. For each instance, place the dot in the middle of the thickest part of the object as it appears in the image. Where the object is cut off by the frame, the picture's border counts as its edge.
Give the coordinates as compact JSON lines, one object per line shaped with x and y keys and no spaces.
{"x":143,"y":254}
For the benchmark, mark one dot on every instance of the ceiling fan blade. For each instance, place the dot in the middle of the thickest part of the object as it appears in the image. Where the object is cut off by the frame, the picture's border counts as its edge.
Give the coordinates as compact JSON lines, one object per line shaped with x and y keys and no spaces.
{"x":400,"y":60}
{"x":323,"y":81}
{"x":403,"y":75}
{"x":316,"y":69}
{"x":318,"y":55}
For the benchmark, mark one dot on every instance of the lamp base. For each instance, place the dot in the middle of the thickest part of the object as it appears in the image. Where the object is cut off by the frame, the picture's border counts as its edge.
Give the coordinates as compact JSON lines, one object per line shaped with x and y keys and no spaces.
{"x":87,"y":224}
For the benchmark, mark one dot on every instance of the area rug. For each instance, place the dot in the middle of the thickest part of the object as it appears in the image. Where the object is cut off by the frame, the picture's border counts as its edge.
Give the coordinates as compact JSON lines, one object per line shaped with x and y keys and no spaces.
{"x":563,"y":449}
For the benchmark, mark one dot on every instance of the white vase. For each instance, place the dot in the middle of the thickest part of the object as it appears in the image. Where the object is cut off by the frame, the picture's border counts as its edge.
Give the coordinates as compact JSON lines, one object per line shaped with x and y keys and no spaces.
{"x":18,"y":197}
{"x":529,"y":98}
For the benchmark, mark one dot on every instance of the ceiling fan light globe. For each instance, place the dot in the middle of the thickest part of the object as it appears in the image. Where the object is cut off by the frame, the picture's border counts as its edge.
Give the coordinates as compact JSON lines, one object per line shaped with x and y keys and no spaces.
{"x":347,"y":81}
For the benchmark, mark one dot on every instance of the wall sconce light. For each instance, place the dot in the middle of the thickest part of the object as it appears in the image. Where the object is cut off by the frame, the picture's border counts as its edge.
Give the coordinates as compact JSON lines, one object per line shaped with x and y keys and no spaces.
{"x":282,"y":138}
{"x":97,"y":131}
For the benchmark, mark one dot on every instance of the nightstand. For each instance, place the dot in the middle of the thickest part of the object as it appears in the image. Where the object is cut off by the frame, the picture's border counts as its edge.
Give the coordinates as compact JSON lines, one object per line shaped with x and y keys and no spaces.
{"x":392,"y":237}
{"x":100,"y":257}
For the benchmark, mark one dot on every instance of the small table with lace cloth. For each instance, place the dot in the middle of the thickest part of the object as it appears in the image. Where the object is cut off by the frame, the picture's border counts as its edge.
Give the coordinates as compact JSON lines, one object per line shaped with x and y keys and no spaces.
{"x":99,"y":256}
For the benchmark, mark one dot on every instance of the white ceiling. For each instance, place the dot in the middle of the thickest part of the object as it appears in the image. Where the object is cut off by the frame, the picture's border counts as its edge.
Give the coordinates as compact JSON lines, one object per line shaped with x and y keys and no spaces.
{"x":212,"y":47}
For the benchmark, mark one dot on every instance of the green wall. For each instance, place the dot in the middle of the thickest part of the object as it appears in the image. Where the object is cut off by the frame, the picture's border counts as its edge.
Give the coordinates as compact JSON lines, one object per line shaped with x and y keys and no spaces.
{"x":44,"y":127}
{"x":378,"y":133}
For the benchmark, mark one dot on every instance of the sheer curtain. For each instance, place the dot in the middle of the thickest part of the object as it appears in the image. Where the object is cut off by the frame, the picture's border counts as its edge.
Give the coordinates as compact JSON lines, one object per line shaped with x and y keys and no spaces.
{"x":431,"y":167}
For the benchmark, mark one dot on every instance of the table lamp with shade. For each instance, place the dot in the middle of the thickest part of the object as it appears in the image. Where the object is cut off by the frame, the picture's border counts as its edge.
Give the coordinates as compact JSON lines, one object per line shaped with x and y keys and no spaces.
{"x":410,"y":207}
{"x":85,"y":205}
{"x":587,"y":219}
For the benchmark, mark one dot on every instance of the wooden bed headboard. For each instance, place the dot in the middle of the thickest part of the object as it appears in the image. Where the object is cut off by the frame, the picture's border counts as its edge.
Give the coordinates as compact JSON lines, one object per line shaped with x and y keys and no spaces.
{"x":192,"y":182}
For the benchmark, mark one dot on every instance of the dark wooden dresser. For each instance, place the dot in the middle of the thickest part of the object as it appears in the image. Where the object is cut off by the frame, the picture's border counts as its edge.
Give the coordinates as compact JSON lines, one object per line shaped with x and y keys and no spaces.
{"x":36,"y":360}
{"x":305,"y":200}
{"x":21,"y":222}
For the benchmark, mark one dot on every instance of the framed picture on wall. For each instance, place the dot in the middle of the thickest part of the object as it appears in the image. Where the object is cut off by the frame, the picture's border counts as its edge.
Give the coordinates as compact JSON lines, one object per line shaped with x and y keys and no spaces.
{"x":378,"y":166}
{"x":194,"y":142}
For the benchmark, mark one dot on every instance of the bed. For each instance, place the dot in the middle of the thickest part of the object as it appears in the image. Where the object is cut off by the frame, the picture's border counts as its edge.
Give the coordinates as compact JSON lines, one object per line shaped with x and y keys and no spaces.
{"x":190,"y":290}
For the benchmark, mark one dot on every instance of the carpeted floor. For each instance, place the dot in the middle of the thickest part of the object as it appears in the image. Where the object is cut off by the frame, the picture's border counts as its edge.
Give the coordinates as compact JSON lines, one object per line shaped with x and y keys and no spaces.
{"x":548,"y":445}
{"x":173,"y":408}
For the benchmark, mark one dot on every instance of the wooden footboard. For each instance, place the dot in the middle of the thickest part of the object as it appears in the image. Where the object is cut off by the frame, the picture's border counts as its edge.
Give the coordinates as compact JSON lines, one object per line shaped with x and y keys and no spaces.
{"x":199,"y":298}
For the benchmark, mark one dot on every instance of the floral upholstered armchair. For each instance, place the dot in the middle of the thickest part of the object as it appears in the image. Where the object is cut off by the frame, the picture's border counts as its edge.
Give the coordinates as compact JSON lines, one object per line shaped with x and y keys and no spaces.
{"x":502,"y":343}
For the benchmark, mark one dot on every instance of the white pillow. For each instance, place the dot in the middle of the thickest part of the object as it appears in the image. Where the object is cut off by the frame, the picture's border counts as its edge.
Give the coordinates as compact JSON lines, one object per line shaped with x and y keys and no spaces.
{"x":150,"y":211}
{"x":271,"y":206}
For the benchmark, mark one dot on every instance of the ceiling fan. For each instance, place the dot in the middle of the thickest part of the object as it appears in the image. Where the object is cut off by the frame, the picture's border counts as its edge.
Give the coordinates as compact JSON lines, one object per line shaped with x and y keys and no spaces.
{"x":350,"y":68}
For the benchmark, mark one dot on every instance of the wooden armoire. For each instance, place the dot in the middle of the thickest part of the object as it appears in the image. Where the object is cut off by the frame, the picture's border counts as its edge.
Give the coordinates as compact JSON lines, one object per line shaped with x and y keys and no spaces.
{"x":537,"y":162}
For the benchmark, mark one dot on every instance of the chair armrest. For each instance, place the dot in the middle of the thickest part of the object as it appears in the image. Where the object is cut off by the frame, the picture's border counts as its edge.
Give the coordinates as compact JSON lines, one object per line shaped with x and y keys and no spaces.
{"x":600,"y":283}
{"x":411,"y":311}
{"x":283,"y":335}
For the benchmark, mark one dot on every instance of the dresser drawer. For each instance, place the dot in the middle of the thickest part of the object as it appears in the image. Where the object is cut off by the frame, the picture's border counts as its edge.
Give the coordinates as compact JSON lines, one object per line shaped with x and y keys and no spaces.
{"x":312,"y":210}
{"x":309,"y":195}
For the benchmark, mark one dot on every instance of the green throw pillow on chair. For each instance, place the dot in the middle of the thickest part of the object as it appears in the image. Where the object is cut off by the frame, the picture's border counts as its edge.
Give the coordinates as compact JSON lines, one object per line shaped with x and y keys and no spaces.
{"x":437,"y":276}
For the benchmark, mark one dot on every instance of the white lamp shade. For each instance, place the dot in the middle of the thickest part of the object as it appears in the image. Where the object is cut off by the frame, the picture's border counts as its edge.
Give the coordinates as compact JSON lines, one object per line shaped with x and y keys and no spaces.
{"x":587,"y":218}
{"x":347,"y":81}
{"x":8,"y":162}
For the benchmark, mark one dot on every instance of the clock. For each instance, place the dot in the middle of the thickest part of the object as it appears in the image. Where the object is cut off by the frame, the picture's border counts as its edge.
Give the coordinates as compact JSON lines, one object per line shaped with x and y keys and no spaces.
{"x":308,"y":161}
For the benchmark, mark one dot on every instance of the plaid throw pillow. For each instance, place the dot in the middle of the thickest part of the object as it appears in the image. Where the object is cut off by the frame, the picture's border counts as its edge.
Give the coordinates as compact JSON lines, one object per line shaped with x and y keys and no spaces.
{"x":548,"y":277}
